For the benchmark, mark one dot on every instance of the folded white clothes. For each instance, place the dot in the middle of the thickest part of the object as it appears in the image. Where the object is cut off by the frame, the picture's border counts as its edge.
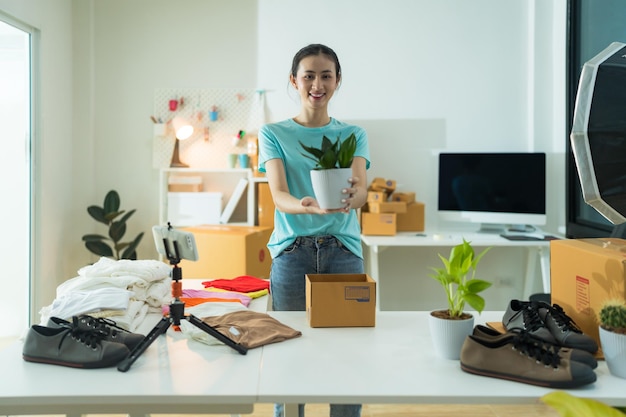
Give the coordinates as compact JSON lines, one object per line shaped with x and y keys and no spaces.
{"x":82,"y":302}
{"x":80,"y":283}
{"x":148,"y":269}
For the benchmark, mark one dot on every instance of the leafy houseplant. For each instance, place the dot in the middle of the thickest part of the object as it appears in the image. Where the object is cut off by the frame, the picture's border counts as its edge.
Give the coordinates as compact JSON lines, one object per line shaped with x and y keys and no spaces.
{"x":332,"y":171}
{"x":331,"y":155}
{"x":108,"y":214}
{"x":449,"y":328}
{"x":612,"y":332}
{"x":458,"y":280}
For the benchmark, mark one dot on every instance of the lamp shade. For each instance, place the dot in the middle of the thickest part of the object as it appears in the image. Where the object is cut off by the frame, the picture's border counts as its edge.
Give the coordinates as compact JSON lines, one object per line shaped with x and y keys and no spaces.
{"x":598,"y":136}
{"x":182,"y":128}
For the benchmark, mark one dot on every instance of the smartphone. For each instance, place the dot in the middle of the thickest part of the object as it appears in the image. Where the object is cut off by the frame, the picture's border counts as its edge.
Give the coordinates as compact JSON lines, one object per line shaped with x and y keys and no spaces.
{"x":165,"y":238}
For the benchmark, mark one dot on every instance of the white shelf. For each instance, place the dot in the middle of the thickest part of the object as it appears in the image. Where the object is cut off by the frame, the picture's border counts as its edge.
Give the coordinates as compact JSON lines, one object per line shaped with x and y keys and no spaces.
{"x":216,"y":180}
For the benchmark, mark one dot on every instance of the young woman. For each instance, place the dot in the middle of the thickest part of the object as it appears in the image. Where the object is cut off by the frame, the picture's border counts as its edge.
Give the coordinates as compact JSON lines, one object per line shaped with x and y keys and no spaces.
{"x":306,"y":238}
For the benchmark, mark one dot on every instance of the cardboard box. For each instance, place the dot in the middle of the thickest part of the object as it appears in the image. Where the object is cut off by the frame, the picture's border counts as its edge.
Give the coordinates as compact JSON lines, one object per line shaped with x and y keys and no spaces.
{"x":228,"y":252}
{"x":376,"y":196}
{"x":383,"y":224}
{"x":265,"y":205}
{"x":387,"y":207}
{"x":193,"y":208}
{"x":413,"y":220}
{"x":404,"y":196}
{"x":381,"y":184}
{"x":583,"y":274}
{"x":340,"y":300}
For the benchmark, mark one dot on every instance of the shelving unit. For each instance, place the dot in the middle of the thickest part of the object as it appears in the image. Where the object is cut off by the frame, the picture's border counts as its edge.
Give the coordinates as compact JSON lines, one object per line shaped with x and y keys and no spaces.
{"x":216,"y":180}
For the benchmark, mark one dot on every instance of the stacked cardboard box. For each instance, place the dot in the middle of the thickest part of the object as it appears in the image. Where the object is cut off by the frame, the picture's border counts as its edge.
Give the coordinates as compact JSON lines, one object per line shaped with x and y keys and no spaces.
{"x":388,"y":211}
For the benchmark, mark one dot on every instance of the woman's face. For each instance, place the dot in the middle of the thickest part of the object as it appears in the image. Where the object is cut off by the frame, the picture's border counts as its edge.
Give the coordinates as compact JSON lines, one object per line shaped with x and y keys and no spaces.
{"x":316,"y":80}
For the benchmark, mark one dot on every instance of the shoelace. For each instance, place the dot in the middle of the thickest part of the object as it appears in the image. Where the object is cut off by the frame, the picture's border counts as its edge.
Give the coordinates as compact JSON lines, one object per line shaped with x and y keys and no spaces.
{"x":530,"y":316}
{"x":533,"y":348}
{"x":102,"y":324}
{"x":564,"y":322}
{"x":91,"y":338}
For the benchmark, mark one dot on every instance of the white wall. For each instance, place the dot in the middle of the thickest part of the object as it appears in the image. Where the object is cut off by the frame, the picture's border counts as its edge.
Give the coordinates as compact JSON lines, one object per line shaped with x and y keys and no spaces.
{"x":480,"y":75}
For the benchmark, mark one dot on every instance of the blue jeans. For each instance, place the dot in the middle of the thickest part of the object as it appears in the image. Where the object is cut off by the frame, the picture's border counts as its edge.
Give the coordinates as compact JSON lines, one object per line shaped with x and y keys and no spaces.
{"x":310,"y":255}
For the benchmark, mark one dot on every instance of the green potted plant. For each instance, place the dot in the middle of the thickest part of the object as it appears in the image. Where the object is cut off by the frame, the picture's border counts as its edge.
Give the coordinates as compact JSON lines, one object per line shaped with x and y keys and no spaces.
{"x":612,"y":331}
{"x":333,"y":161}
{"x":108,"y":215}
{"x":461,"y":287}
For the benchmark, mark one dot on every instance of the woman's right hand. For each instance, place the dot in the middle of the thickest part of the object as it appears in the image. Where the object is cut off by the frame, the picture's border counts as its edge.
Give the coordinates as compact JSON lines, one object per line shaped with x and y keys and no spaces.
{"x":312,"y":207}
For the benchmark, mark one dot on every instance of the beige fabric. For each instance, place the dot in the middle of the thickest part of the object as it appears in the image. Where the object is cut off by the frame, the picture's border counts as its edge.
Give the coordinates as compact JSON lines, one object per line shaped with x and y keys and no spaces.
{"x":251,"y":329}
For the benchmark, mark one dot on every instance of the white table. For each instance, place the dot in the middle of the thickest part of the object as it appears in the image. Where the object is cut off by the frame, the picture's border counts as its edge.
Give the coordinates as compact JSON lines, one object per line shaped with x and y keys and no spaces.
{"x":535,"y":249}
{"x":391,"y":363}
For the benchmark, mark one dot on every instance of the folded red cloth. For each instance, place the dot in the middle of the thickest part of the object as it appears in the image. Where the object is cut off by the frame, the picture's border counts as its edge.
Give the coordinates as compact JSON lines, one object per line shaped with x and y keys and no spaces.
{"x":243,"y":283}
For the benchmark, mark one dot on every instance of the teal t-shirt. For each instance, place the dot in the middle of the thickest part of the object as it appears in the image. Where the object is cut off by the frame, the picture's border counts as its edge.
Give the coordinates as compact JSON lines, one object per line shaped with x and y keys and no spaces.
{"x":282,"y":140}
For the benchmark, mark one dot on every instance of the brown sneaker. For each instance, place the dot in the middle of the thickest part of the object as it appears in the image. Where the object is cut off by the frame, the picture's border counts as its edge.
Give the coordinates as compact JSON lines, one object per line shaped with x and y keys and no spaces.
{"x":566,"y":353}
{"x":517,"y":357}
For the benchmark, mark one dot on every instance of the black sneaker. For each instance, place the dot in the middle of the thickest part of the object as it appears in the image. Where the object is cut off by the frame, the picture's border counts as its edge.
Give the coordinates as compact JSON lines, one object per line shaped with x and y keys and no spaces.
{"x":566,"y":353}
{"x":112,"y":332}
{"x":564,"y":330}
{"x":524,"y":315}
{"x":71,"y":347}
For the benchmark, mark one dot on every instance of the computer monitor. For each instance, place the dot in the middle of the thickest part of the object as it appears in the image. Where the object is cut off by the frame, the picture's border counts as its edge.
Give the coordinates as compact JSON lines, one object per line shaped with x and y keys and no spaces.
{"x":495,"y":191}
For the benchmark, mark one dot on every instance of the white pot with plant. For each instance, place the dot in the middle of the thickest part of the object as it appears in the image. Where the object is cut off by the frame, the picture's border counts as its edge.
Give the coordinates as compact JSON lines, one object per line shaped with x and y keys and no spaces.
{"x":450,"y":327}
{"x":333,"y":169}
{"x":612,"y":330}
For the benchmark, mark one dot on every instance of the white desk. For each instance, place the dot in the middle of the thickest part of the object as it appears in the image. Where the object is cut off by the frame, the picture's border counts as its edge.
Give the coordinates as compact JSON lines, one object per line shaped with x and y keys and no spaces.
{"x":535,"y":249}
{"x":391,"y":363}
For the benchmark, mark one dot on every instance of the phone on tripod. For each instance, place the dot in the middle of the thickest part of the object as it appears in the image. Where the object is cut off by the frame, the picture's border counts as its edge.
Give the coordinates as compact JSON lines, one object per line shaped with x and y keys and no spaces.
{"x":167,"y":240}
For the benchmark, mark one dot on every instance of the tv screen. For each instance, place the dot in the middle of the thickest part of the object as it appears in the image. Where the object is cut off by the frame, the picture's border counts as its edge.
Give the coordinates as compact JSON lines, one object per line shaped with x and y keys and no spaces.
{"x":495,"y":190}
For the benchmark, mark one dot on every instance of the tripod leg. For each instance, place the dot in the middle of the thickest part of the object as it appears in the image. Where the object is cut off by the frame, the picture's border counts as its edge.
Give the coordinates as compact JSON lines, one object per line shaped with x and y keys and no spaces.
{"x":160,"y":328}
{"x":219,"y":336}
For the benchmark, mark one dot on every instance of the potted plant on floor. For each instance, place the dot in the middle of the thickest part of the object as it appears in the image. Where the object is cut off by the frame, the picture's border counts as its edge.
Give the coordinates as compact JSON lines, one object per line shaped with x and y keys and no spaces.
{"x":612,"y":330}
{"x":333,"y":161}
{"x":450,"y":326}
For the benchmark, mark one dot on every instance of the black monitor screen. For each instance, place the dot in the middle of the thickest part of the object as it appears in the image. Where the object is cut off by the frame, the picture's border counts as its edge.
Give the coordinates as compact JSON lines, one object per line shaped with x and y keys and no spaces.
{"x":493,"y":182}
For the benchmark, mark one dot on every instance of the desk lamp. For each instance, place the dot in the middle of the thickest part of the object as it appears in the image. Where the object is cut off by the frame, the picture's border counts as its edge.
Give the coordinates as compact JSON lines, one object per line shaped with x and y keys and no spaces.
{"x":598,"y":136}
{"x":182,"y":131}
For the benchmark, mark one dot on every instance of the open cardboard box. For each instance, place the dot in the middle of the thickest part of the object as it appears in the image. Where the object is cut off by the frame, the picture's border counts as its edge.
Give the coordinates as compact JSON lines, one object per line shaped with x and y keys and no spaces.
{"x":340,"y":300}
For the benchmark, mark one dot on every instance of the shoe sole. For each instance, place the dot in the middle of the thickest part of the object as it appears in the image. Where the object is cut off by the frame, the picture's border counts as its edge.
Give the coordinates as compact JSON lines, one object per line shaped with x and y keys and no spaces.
{"x":49,"y":361}
{"x":541,"y":383}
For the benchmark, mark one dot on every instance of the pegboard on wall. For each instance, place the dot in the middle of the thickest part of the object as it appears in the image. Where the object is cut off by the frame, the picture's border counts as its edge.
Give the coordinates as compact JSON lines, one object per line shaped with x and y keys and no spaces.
{"x":213,"y":137}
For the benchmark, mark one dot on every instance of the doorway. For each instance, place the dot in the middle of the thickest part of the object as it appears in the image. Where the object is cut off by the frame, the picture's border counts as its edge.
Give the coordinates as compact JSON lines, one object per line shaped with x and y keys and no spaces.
{"x":15,"y":174}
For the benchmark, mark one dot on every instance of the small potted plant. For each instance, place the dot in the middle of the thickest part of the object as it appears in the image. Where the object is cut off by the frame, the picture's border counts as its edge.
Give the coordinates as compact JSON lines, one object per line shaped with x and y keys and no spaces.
{"x":333,"y":161}
{"x":612,"y":330}
{"x":461,"y":287}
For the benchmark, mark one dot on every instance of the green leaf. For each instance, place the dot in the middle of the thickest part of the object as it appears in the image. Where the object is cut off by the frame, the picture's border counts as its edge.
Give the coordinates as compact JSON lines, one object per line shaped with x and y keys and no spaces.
{"x":568,"y":405}
{"x":131,"y":249}
{"x":126,"y":216}
{"x":111,"y":202}
{"x":99,"y":248}
{"x":93,"y":237}
{"x":97,"y":213}
{"x":117,"y":230}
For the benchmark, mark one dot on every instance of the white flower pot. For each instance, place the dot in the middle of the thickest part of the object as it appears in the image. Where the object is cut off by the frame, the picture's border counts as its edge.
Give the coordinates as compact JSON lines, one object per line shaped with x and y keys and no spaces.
{"x":448,"y":335}
{"x":614,"y":350}
{"x":327,"y":186}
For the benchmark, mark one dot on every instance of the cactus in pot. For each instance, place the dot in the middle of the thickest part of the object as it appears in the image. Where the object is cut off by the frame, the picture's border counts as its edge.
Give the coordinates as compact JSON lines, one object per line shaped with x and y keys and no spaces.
{"x":613,"y":316}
